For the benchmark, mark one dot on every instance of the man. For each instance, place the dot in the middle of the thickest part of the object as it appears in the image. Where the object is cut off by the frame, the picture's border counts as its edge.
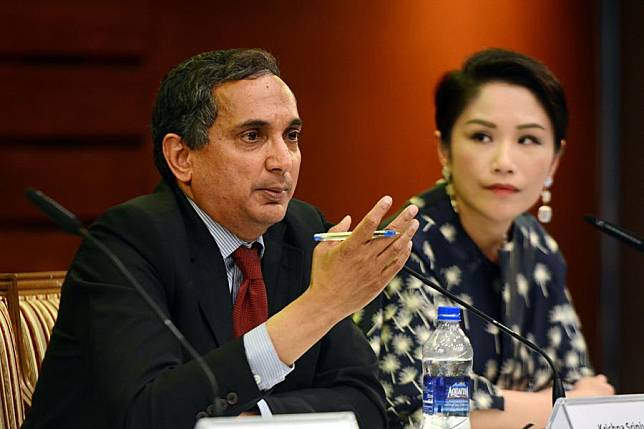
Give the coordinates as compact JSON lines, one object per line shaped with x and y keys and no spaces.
{"x":278,"y":340}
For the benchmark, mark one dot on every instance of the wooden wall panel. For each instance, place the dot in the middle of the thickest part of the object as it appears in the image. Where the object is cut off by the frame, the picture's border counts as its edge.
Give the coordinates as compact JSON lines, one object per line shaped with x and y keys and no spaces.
{"x":75,"y":119}
{"x":26,"y":249}
{"x":97,"y":28}
{"x":632,"y":196}
{"x":85,"y":178}
{"x":46,"y":101}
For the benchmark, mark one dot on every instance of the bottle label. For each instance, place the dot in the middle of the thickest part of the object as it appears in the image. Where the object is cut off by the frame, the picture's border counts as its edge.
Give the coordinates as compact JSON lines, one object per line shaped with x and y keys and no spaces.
{"x":447,"y":395}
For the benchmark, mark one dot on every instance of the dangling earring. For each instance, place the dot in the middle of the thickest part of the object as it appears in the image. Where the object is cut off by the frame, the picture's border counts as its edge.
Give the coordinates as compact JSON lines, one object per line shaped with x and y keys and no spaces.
{"x":449,"y":188}
{"x":447,"y":173}
{"x":545,"y":211}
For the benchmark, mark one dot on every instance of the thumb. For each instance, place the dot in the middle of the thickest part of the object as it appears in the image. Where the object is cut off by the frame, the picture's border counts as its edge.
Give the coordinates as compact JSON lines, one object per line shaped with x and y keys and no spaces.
{"x":342,"y":226}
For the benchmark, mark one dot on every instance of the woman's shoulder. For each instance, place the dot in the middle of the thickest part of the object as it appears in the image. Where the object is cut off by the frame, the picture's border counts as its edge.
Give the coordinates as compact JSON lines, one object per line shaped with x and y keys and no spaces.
{"x":530,"y":233}
{"x":434,"y":206}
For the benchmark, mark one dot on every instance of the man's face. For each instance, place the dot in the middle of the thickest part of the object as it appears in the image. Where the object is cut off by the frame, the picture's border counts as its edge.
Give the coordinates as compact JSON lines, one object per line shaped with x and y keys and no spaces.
{"x":246,"y":175}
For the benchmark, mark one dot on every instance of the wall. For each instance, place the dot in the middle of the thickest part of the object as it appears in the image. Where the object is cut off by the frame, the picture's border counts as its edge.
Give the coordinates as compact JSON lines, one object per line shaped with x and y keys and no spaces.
{"x":80,"y":79}
{"x":632,"y":196}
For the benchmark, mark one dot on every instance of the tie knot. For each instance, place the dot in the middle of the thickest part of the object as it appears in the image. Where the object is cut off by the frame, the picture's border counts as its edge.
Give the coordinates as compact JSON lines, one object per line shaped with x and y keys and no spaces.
{"x":247,"y":259}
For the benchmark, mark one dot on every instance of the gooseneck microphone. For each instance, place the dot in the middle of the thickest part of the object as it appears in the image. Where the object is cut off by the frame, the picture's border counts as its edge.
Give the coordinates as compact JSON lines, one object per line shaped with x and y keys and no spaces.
{"x":558,"y":390}
{"x":69,"y":223}
{"x":616,"y":232}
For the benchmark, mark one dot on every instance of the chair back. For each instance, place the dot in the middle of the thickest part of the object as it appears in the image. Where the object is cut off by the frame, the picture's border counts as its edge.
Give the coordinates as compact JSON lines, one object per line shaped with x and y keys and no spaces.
{"x":32,"y":301}
{"x":11,"y":404}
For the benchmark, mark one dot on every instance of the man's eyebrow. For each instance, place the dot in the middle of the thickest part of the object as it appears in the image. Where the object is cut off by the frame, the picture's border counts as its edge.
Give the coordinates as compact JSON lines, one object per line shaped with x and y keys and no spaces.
{"x":259,"y":123}
{"x":481,"y":122}
{"x":530,"y":125}
{"x":297,"y":122}
{"x":252,"y":123}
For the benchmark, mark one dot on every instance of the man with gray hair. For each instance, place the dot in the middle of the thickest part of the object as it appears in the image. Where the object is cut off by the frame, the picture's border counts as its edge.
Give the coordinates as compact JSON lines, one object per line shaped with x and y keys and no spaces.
{"x":229,"y":255}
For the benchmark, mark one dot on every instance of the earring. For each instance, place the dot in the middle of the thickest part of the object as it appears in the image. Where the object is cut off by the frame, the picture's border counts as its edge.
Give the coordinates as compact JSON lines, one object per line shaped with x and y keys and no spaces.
{"x":447,"y":173}
{"x":449,"y":189}
{"x":545,"y":211}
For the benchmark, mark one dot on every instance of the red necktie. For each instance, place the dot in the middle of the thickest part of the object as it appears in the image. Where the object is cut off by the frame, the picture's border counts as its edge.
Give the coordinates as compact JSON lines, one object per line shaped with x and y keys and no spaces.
{"x":251,"y":306}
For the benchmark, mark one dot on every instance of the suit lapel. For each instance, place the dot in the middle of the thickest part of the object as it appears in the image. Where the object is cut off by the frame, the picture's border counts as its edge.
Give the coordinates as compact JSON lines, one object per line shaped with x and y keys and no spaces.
{"x":209,"y":274}
{"x":215,"y":301}
{"x":282,"y":269}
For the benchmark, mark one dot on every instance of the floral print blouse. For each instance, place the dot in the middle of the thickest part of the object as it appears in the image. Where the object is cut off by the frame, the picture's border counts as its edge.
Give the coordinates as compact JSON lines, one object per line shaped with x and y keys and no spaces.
{"x":525,"y":290}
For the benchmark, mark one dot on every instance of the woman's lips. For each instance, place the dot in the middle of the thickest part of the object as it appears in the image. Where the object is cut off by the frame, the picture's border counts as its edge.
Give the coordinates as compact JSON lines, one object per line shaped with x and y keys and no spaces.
{"x":502,"y":189}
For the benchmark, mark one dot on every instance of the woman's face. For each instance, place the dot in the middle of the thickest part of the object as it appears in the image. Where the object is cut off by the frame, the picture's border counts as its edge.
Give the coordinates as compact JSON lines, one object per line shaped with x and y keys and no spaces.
{"x":502,"y":150}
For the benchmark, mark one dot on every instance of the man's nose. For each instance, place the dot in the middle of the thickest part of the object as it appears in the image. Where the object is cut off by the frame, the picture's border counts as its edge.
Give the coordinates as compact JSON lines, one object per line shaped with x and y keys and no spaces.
{"x":280,"y":156}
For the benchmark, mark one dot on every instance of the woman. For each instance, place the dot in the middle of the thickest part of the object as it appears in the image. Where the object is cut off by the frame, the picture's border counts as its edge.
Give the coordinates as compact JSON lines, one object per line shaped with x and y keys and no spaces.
{"x":501,"y":128}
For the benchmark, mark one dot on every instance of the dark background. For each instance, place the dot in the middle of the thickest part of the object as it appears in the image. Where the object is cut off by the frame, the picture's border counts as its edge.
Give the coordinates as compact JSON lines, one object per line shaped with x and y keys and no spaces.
{"x":78,"y":80}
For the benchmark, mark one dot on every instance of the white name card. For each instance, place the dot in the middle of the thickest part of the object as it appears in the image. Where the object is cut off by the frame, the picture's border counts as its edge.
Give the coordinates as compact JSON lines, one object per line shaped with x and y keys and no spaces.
{"x":601,"y":412}
{"x":344,"y":420}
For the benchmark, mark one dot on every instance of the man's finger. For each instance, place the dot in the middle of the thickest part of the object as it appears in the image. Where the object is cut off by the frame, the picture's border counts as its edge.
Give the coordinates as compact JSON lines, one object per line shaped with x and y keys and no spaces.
{"x":403,"y":239}
{"x":396,"y":264}
{"x":364,"y":231}
{"x":341,"y":226}
{"x":403,"y":218}
{"x":401,"y":224}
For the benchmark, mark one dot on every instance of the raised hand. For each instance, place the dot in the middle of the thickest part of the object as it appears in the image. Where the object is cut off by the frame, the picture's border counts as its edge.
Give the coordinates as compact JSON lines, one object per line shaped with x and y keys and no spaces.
{"x":347,"y":275}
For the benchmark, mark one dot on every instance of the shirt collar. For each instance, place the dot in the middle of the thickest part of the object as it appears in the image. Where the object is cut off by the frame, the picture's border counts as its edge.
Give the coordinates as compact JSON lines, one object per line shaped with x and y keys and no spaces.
{"x":226,"y":240}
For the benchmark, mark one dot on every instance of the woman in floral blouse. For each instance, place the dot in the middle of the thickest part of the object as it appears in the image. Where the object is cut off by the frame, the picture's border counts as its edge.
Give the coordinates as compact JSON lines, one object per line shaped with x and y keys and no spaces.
{"x":501,"y":127}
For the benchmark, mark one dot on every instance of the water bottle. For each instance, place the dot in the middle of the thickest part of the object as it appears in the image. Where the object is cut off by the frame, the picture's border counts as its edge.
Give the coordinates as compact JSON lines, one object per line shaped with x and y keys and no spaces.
{"x":447,"y":364}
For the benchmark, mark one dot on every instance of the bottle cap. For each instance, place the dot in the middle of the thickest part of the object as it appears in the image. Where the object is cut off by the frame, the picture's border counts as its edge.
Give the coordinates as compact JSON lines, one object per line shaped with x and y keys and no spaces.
{"x":451,"y":314}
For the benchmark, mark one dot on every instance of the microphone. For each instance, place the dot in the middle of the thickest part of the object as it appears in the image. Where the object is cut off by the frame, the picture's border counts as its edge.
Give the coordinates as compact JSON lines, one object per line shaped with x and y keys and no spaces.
{"x":69,"y":223}
{"x":558,"y":390}
{"x":616,"y":232}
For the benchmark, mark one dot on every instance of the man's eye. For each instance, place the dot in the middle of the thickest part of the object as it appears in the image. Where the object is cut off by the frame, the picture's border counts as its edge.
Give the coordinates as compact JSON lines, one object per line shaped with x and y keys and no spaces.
{"x":293,"y":135}
{"x":250,"y":136}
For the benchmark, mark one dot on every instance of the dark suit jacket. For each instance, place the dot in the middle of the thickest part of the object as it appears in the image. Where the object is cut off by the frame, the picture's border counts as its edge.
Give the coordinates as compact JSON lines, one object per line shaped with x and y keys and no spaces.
{"x":112,"y":363}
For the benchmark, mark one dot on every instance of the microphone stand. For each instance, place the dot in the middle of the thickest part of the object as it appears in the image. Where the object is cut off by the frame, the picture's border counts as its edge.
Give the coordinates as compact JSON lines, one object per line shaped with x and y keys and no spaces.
{"x":69,"y":223}
{"x":558,"y":390}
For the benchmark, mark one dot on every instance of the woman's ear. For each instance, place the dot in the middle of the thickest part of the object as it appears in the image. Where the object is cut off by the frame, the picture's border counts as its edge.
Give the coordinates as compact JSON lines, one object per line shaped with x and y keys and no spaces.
{"x":555,"y":161}
{"x":177,"y":156}
{"x":441,"y":149}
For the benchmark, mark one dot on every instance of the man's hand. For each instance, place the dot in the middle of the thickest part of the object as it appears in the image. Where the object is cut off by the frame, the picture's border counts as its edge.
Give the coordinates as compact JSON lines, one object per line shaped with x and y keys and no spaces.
{"x":345,"y":277}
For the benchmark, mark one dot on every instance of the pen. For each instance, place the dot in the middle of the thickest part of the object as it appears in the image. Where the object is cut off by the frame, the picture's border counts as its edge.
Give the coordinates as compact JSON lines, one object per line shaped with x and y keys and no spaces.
{"x":341,"y":236}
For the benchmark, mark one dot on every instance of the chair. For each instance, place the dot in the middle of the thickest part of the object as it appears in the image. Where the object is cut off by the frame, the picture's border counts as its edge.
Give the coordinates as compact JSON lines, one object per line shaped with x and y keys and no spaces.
{"x":11,"y":403}
{"x":32,"y":307}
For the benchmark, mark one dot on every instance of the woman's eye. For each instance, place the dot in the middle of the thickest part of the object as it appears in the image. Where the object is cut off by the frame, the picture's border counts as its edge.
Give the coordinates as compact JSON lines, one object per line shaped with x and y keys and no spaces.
{"x":529,"y":140}
{"x":481,"y":137}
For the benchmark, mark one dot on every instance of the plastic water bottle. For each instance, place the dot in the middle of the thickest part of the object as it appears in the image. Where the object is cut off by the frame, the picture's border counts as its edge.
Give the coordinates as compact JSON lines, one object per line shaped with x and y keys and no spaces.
{"x":447,"y":364}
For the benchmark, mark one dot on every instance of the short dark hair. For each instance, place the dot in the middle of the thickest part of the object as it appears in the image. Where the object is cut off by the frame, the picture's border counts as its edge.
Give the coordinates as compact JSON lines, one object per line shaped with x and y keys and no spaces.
{"x":457,"y":88}
{"x":185,"y":104}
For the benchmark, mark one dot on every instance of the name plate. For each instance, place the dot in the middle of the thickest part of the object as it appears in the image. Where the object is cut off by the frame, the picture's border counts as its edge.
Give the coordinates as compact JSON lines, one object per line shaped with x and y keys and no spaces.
{"x":344,"y":420}
{"x":601,"y":412}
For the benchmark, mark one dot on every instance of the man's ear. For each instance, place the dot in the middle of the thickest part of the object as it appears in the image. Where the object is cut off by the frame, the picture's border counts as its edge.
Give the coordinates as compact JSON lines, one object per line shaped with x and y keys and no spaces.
{"x":177,"y":156}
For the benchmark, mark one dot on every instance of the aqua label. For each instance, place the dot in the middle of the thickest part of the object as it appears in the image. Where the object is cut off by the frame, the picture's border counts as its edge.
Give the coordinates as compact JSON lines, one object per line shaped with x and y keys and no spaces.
{"x":449,"y":396}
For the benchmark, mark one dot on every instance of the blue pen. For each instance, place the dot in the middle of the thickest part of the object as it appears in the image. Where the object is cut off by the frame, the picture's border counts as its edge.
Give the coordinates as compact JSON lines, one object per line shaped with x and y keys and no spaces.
{"x":341,"y":236}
